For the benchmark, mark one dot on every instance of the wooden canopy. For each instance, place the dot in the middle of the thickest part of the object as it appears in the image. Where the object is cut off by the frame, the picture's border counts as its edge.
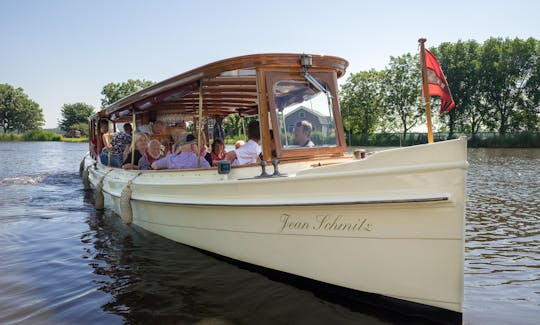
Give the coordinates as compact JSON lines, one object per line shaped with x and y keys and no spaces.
{"x":228,"y":86}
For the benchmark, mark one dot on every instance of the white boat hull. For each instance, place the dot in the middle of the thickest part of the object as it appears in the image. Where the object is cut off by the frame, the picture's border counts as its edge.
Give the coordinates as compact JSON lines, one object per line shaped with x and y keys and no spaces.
{"x":391,"y":224}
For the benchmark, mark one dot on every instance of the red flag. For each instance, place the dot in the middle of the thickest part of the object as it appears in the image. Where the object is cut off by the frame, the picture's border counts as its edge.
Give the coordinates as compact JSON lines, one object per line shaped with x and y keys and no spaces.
{"x":437,"y":84}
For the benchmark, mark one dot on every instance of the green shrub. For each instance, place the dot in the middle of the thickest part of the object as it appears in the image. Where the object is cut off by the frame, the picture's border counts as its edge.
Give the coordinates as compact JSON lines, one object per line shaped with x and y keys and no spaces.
{"x":10,"y":137}
{"x":39,"y":135}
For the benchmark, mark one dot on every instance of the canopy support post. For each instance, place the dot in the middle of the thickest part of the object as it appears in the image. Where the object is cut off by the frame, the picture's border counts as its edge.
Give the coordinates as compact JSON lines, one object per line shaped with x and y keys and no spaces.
{"x":199,"y":131}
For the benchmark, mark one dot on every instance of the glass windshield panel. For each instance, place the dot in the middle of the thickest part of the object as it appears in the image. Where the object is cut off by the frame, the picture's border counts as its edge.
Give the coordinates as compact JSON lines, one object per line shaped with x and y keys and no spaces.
{"x":304,"y":114}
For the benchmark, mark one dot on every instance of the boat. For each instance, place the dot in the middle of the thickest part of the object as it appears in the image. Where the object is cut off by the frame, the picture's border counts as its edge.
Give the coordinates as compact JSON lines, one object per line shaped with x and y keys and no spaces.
{"x":389,"y":223}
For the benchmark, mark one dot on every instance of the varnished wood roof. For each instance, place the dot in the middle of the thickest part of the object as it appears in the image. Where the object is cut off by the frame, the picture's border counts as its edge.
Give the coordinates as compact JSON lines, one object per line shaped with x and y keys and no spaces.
{"x":229,"y":86}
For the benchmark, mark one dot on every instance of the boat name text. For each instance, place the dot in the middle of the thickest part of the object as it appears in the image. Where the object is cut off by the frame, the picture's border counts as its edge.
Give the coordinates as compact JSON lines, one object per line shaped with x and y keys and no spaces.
{"x":324,"y":223}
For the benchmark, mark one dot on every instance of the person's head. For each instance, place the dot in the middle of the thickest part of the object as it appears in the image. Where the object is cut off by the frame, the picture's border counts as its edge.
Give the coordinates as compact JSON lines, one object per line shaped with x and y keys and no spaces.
{"x":238,"y":144}
{"x":254,"y":131}
{"x":154,"y":148}
{"x":128,"y":128}
{"x":104,"y":126}
{"x":157,"y":127}
{"x":190,"y":144}
{"x":141,"y":142}
{"x":302,"y":132}
{"x":218,"y":146}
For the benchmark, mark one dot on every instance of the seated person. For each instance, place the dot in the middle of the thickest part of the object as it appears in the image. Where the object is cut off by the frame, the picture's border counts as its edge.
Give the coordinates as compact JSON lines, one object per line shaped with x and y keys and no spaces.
{"x":238,"y":144}
{"x":186,"y":159}
{"x":153,"y":153}
{"x":156,"y":130}
{"x":249,"y":152}
{"x":204,"y":151}
{"x":105,"y":157}
{"x":218,"y":151}
{"x":175,"y":133}
{"x":119,"y":142}
{"x":141,"y":142}
{"x":302,"y":134}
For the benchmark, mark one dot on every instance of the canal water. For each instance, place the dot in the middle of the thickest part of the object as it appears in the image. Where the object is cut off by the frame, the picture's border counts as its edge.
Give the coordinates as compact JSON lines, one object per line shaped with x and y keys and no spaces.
{"x":62,"y":262}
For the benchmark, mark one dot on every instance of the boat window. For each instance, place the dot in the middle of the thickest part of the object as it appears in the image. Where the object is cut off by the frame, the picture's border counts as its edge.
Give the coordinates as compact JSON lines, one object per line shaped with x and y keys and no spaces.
{"x":304,"y":114}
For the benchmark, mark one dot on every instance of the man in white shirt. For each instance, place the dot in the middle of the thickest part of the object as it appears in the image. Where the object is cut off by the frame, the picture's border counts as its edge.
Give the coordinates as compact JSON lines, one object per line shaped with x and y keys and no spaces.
{"x":249,"y":152}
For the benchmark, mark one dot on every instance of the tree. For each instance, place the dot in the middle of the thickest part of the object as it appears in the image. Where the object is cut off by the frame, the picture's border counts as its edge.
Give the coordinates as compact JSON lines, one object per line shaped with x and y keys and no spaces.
{"x":74,"y":114}
{"x":528,"y":116}
{"x":506,"y":66}
{"x":401,"y":92}
{"x":113,"y":92}
{"x":232,"y":125}
{"x":17,"y":111}
{"x":460,"y":62}
{"x":361,"y":102}
{"x":83,"y":127}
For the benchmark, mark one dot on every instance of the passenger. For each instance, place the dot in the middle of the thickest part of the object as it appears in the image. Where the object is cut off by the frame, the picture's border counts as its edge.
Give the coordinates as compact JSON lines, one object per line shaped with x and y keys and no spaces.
{"x":176,"y":133}
{"x":153,"y":153}
{"x":218,"y":151}
{"x":207,"y":156}
{"x":302,"y":134}
{"x":272,"y":144}
{"x":141,"y":142}
{"x":104,"y":156}
{"x":249,"y":152}
{"x":158,"y":131}
{"x":119,"y":143}
{"x":204,"y":151}
{"x":179,"y":141}
{"x":238,"y":144}
{"x":186,"y":159}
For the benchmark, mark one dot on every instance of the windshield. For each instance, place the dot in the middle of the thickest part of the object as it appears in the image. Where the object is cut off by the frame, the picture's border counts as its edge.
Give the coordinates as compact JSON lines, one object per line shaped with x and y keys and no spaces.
{"x":304,"y":114}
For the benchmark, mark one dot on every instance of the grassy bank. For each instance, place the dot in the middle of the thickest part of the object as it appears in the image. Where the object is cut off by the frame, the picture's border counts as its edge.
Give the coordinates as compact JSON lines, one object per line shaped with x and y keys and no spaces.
{"x":34,"y":135}
{"x":81,"y":139}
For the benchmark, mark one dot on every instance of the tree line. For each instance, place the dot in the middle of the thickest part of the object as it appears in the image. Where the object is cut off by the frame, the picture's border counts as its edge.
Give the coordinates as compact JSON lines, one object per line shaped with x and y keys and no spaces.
{"x":496,"y":87}
{"x":20,"y":114}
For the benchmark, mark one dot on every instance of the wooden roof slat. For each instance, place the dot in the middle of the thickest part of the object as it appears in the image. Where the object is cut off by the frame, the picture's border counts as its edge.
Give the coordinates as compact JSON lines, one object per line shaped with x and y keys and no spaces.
{"x":210,"y":76}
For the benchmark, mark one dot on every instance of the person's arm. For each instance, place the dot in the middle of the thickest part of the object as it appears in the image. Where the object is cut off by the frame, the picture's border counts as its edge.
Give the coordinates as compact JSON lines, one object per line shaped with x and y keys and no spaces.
{"x":106,"y":140}
{"x":204,"y":162}
{"x":231,"y":156}
{"x":127,"y":153}
{"x":162,"y":163}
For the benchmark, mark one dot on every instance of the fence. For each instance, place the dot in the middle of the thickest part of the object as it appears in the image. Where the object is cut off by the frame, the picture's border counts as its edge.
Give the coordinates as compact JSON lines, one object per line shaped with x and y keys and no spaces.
{"x":480,"y":139}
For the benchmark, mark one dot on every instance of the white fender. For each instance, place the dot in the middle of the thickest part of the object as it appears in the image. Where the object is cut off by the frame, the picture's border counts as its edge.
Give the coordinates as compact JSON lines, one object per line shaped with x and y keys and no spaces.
{"x":125,"y":204}
{"x":99,"y":202}
{"x":85,"y":179}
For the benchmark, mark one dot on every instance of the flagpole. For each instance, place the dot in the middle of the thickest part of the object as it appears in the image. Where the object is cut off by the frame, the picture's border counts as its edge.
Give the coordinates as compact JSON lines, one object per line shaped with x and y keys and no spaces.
{"x":426,"y":89}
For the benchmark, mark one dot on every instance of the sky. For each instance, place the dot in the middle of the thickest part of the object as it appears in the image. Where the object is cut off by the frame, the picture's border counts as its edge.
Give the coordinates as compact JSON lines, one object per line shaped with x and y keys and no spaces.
{"x":65,"y":51}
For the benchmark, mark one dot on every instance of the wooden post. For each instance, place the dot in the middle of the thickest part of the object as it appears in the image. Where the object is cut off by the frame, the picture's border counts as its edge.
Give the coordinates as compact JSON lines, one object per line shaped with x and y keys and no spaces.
{"x":426,"y":89}
{"x":199,"y":131}
{"x":133,"y":140}
{"x":109,"y":141}
{"x":264,"y":115}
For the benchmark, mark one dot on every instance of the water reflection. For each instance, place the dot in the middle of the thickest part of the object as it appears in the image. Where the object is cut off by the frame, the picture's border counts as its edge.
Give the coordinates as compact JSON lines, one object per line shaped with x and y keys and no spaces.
{"x":154,"y":280}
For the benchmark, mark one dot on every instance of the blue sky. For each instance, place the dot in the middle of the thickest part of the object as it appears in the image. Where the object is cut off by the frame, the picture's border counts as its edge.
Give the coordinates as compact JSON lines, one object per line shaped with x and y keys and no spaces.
{"x":65,"y":51}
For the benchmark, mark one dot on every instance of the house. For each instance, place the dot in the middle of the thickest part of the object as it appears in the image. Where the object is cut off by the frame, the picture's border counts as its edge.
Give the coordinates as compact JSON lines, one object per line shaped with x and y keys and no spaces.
{"x":319,"y":122}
